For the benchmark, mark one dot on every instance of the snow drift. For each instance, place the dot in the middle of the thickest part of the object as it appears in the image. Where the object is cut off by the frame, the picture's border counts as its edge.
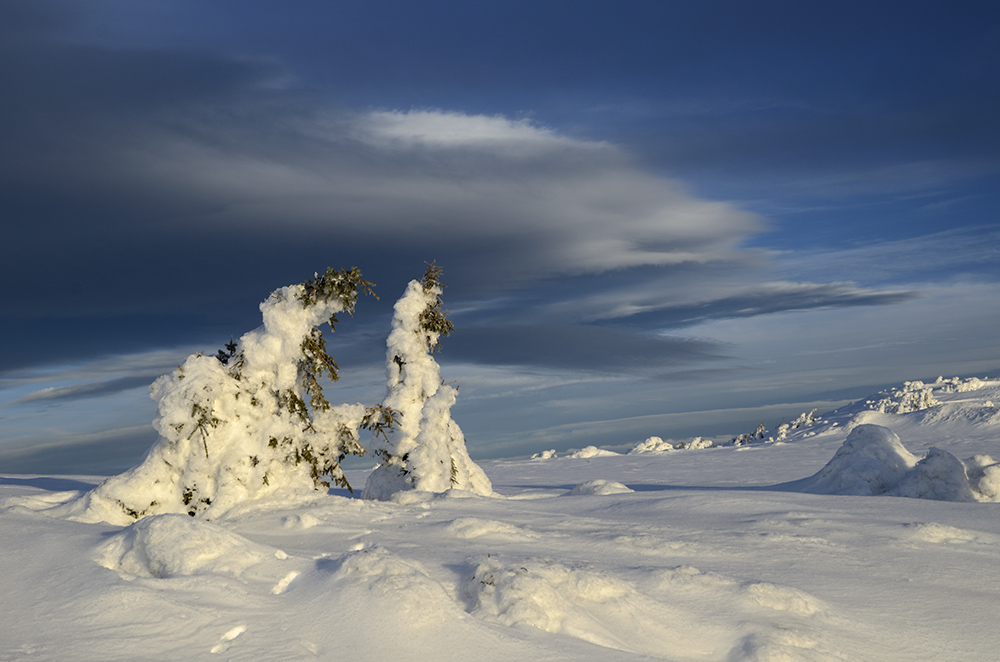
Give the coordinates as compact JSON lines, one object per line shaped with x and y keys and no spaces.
{"x":873,"y":461}
{"x":710,"y":559}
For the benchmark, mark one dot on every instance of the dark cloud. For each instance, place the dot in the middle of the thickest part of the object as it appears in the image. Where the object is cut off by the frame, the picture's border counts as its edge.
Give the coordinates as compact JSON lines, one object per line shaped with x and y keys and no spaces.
{"x":585,"y":348}
{"x":782,"y":297}
{"x":150,"y":190}
{"x":96,"y":454}
{"x":167,"y":164}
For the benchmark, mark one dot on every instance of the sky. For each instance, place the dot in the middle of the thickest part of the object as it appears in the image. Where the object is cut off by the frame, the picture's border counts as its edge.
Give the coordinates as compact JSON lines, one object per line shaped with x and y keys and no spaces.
{"x":662,"y":219}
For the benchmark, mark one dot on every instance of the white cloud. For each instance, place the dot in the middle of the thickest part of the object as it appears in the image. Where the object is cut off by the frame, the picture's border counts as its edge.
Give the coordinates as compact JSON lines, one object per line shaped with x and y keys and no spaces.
{"x":450,"y":130}
{"x":558,"y":205}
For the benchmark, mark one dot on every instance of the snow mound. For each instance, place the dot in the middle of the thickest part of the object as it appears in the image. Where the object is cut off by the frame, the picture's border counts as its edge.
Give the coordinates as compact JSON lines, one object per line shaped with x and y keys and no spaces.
{"x":941,"y":533}
{"x":545,"y":455}
{"x":402,"y":585}
{"x":177,"y":545}
{"x":784,"y":598}
{"x":665,"y":621}
{"x":873,"y":461}
{"x":576,"y":602}
{"x":474,"y":527}
{"x":599,"y":486}
{"x":657,"y":446}
{"x":592,"y":451}
{"x":696,"y":444}
{"x":652,"y":445}
{"x":940,"y":476}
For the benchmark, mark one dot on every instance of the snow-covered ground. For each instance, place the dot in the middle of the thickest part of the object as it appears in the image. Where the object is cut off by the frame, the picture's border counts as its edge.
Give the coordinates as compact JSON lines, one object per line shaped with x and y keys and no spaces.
{"x":734,"y":552}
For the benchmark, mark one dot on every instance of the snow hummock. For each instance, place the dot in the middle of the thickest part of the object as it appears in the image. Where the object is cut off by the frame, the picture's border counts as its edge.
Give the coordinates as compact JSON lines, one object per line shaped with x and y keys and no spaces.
{"x":652,"y":445}
{"x":871,"y":461}
{"x":590,"y":452}
{"x":599,"y":486}
{"x":173,"y":545}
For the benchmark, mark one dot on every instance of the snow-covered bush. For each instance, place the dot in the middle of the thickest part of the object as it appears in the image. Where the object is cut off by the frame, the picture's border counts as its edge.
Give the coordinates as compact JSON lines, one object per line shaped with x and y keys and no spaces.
{"x":250,"y":422}
{"x":652,"y":445}
{"x":657,"y":446}
{"x":805,"y":419}
{"x":744,"y":439}
{"x":591,"y":452}
{"x":959,"y":385}
{"x":913,"y":396}
{"x":696,"y":444}
{"x":426,"y":450}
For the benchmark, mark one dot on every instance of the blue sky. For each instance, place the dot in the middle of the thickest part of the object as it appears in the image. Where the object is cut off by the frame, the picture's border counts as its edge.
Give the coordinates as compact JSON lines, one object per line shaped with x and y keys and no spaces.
{"x":654,"y":218}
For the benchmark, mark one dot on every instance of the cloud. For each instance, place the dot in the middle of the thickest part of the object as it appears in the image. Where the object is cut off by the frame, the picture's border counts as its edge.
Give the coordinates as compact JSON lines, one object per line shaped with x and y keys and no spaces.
{"x":577,"y":347}
{"x":452,"y":130}
{"x":160,"y":193}
{"x":89,"y":390}
{"x":959,"y":252}
{"x":760,"y":299}
{"x":102,"y":454}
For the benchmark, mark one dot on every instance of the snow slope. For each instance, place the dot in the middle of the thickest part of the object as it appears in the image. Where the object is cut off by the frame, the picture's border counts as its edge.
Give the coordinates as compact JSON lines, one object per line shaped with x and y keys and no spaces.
{"x":691,"y":554}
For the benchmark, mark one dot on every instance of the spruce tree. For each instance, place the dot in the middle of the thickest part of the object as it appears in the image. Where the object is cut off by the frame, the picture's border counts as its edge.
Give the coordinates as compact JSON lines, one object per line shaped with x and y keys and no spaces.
{"x":426,"y":449}
{"x":252,"y":421}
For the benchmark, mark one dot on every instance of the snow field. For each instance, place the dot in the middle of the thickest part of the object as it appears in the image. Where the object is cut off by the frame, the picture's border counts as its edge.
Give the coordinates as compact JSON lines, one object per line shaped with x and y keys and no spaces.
{"x":711,"y":554}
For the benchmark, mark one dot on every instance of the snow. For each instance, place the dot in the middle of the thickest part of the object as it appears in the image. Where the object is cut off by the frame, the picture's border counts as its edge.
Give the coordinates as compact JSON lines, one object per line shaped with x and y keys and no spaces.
{"x":426,"y":450}
{"x":599,"y":486}
{"x":591,"y":451}
{"x":228,"y":428}
{"x":717,"y":554}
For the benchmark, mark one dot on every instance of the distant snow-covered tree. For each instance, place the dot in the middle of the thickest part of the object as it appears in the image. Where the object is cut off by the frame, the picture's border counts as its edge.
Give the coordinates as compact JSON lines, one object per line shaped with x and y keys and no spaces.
{"x":426,"y":449}
{"x":252,"y":421}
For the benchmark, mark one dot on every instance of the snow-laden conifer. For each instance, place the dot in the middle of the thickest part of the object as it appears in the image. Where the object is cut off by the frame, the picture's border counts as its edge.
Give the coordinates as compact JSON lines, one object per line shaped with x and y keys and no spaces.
{"x":426,"y":449}
{"x":252,"y":421}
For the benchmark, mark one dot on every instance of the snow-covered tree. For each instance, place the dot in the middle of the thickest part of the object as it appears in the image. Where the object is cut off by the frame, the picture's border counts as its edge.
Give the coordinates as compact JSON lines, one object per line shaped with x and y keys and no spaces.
{"x":252,"y":421}
{"x":426,"y":449}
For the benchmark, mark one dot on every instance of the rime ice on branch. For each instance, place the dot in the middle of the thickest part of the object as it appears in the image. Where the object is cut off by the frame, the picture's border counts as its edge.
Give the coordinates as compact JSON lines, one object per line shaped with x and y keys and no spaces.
{"x":252,"y":421}
{"x":426,"y":450}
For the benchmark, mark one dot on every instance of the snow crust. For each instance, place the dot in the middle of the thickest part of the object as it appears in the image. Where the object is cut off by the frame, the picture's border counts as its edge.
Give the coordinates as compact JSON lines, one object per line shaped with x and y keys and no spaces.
{"x":719,"y":556}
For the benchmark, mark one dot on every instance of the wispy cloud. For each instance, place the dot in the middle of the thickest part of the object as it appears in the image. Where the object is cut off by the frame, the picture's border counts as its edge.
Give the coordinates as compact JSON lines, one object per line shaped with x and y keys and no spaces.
{"x":88,"y":390}
{"x":454,"y":130}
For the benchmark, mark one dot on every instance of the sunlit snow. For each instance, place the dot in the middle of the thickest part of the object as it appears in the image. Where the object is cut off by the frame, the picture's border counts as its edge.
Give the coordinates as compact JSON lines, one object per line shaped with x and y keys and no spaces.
{"x":805,"y":545}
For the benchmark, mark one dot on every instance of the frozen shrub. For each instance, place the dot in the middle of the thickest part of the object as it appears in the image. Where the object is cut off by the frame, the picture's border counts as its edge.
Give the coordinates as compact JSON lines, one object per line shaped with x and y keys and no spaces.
{"x":251,"y":422}
{"x":426,"y":450}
